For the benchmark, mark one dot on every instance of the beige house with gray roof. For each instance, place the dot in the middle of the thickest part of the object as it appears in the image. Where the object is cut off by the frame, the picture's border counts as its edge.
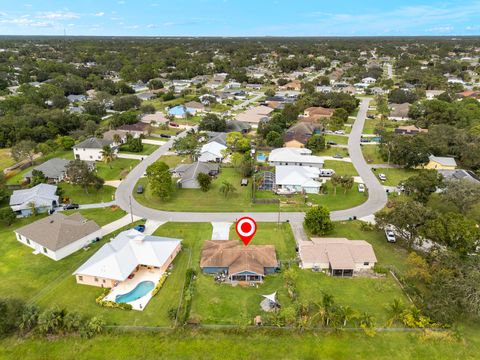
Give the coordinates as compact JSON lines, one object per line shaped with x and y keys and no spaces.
{"x":59,"y":235}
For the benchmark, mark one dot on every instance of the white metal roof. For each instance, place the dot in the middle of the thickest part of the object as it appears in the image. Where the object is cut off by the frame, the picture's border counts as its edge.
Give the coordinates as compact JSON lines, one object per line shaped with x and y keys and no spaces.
{"x":294,"y":155}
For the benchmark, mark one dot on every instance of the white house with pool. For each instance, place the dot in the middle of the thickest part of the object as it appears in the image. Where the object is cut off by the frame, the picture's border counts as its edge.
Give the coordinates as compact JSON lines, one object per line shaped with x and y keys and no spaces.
{"x":131,"y":264}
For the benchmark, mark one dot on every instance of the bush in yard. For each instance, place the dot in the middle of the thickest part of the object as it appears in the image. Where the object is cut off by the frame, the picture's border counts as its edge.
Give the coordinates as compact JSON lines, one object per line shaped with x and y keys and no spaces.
{"x":317,"y":220}
{"x":92,"y":327}
{"x":204,"y":181}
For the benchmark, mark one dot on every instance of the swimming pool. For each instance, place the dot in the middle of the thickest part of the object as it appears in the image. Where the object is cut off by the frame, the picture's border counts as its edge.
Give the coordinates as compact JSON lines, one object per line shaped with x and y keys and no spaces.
{"x":140,"y":291}
{"x":261,"y":157}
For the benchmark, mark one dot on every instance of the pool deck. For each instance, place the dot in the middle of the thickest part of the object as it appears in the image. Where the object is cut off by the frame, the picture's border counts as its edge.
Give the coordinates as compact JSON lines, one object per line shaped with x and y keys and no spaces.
{"x":143,"y":274}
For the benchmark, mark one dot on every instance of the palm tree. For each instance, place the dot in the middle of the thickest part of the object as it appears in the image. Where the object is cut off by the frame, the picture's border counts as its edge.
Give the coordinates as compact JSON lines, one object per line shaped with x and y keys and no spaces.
{"x":117,"y":139}
{"x":107,"y":154}
{"x":227,"y":189}
{"x":335,"y":180}
{"x":346,"y":313}
{"x":347,"y":183}
{"x":395,"y":309}
{"x":366,"y":320}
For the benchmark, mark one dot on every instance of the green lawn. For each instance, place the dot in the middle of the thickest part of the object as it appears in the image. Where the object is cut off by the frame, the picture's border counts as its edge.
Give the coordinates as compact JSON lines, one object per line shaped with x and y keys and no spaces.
{"x":6,"y":159}
{"x":214,"y":201}
{"x":115,"y":170}
{"x":16,"y":176}
{"x":167,"y":131}
{"x":101,"y":216}
{"x":339,"y":139}
{"x":372,"y":154}
{"x":147,"y":149}
{"x":341,"y":167}
{"x":396,"y":176}
{"x":372,"y":124}
{"x":333,"y":150}
{"x":173,"y":160}
{"x":77,"y":194}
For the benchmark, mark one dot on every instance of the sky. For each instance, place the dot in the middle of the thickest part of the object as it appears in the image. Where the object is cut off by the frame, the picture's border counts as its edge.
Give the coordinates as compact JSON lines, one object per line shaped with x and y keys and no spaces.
{"x":239,"y":17}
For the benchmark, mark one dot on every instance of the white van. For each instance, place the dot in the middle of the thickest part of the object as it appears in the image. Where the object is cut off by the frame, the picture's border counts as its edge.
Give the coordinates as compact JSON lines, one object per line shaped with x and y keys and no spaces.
{"x":327,"y":172}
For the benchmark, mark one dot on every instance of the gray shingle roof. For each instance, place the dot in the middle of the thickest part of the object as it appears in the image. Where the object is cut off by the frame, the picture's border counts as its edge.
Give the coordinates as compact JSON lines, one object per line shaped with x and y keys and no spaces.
{"x":190,"y":171}
{"x":57,"y":231}
{"x":93,"y":143}
{"x":40,"y":195}
{"x":52,"y":169}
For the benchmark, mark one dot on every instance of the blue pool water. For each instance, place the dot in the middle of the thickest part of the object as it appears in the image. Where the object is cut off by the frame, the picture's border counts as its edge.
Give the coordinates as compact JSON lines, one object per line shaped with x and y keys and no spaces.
{"x":261,"y":157}
{"x":140,"y":290}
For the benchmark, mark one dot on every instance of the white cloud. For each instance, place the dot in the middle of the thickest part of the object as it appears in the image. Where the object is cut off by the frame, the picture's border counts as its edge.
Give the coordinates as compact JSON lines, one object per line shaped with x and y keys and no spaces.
{"x":101,"y":13}
{"x":57,"y":15}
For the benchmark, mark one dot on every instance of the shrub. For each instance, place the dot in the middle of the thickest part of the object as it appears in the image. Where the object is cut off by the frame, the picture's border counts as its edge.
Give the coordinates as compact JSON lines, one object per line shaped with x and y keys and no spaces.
{"x":160,"y":284}
{"x":111,"y":304}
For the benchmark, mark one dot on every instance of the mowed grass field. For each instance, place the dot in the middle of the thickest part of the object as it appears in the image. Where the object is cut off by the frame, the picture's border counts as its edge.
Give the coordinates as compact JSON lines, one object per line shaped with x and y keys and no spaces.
{"x":6,"y":159}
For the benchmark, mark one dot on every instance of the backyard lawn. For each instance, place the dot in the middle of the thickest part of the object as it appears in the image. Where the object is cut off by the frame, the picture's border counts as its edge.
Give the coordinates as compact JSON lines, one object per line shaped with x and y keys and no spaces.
{"x":173,"y":160}
{"x":372,"y":154}
{"x":77,"y":195}
{"x":332,"y":151}
{"x":396,"y":176}
{"x":341,"y":167}
{"x":115,"y":170}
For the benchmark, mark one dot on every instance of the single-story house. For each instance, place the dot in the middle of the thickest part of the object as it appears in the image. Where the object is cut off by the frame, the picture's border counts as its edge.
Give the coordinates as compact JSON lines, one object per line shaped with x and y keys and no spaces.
{"x":255,"y":115}
{"x":138,"y":86}
{"x":409,"y":130}
{"x":54,"y":170}
{"x":295,"y":85}
{"x":115,"y":261}
{"x":144,"y":96}
{"x":316,"y":113}
{"x":233,"y":85}
{"x":298,"y":179}
{"x":239,"y":262}
{"x":155,"y":119}
{"x":137,"y":129}
{"x":91,"y":149}
{"x":59,"y":235}
{"x":369,"y":80}
{"x":459,"y":174}
{"x":199,"y":107}
{"x":187,"y":173}
{"x":42,"y":196}
{"x":294,"y":157}
{"x":432,"y":94}
{"x":219,"y":137}
{"x":441,"y":163}
{"x":399,"y":111}
{"x":238,"y":126}
{"x":337,"y":256}
{"x":297,"y":135}
{"x":212,"y":152}
{"x":76,"y":98}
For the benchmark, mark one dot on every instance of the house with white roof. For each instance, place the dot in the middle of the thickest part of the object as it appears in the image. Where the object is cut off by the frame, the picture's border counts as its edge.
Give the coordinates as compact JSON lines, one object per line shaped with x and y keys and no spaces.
{"x":294,"y":157}
{"x":212,"y":152}
{"x":41,"y":197}
{"x":369,"y":80}
{"x":124,"y":255}
{"x":298,"y":179}
{"x":441,"y":163}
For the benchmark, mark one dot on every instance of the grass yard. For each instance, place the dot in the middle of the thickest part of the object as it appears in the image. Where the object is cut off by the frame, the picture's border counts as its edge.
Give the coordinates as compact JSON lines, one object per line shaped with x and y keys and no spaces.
{"x":168,"y":131}
{"x":372,"y":124}
{"x":76,"y":194}
{"x":115,"y":170}
{"x":372,"y":154}
{"x":339,"y":139}
{"x":341,"y":167}
{"x":332,"y":151}
{"x":396,"y":176}
{"x":6,"y":159}
{"x":101,"y":216}
{"x":173,"y":160}
{"x":147,"y":149}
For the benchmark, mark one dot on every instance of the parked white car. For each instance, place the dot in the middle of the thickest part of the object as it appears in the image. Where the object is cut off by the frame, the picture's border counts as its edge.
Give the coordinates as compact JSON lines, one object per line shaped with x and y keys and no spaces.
{"x":340,"y":132}
{"x":361,"y":188}
{"x":382,"y":176}
{"x":390,"y":235}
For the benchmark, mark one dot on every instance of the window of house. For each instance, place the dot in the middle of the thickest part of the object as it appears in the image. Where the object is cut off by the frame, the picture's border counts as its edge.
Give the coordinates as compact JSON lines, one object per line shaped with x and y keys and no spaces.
{"x":28,"y":241}
{"x":96,"y":279}
{"x":80,"y":277}
{"x":366,"y":263}
{"x":45,"y":250}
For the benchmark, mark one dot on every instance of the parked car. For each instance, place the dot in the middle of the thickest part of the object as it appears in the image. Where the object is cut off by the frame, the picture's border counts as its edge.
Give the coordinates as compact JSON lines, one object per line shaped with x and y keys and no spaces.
{"x":340,"y":132}
{"x":165,"y":136}
{"x":365,"y":140}
{"x":331,"y":142}
{"x":71,"y":207}
{"x":390,"y":235}
{"x":361,"y":187}
{"x":140,"y":228}
{"x":382,"y":176}
{"x":371,"y":116}
{"x":139,"y":189}
{"x":244,"y":182}
{"x":338,"y":156}
{"x":172,"y":124}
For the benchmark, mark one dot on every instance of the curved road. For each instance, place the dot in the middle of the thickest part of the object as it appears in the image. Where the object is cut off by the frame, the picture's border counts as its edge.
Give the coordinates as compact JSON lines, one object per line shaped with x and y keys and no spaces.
{"x":376,"y":201}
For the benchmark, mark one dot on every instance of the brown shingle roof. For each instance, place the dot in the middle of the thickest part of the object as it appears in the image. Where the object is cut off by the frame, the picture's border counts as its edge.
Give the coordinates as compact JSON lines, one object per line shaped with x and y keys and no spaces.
{"x":58,"y":230}
{"x":237,"y":257}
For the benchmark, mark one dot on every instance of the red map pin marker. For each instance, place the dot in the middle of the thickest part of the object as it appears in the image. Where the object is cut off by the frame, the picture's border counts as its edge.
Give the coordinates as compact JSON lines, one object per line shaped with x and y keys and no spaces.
{"x":246,"y":228}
